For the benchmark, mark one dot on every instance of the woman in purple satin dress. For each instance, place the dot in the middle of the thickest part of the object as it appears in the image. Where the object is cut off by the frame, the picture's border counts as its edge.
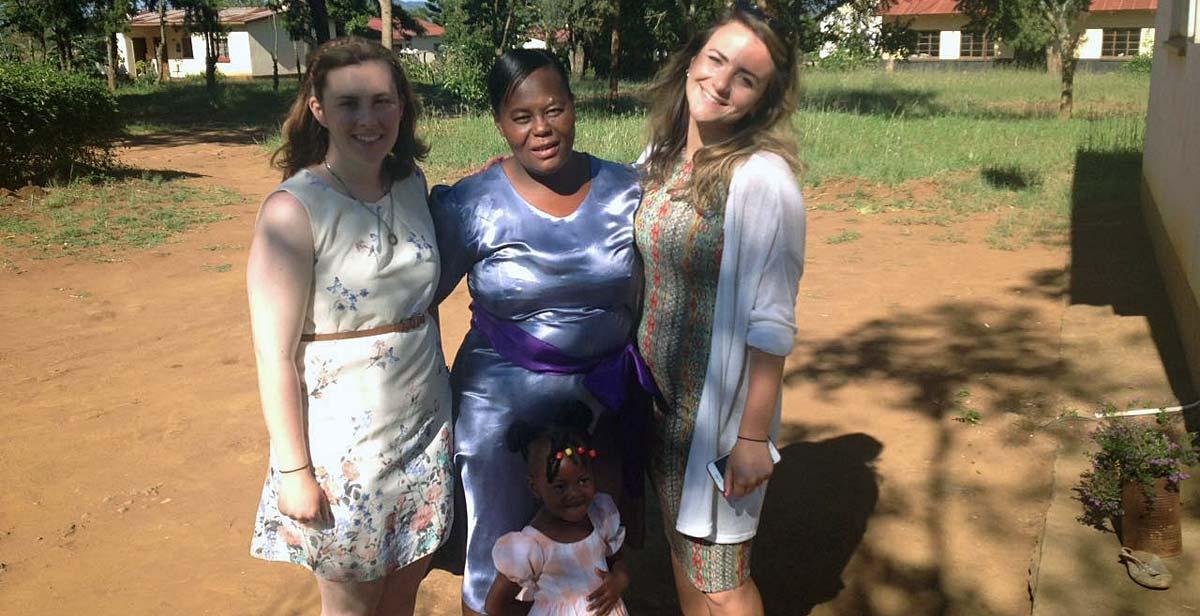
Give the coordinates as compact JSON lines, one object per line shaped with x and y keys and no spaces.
{"x":545,"y":239}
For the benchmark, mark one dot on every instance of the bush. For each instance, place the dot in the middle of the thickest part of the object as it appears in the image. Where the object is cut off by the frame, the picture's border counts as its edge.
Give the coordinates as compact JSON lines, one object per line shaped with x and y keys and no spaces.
{"x":1139,"y":65}
{"x":462,"y":73}
{"x":51,"y":121}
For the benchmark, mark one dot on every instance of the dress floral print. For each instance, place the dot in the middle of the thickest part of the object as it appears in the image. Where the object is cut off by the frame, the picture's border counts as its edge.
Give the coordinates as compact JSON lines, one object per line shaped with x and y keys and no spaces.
{"x":377,"y":407}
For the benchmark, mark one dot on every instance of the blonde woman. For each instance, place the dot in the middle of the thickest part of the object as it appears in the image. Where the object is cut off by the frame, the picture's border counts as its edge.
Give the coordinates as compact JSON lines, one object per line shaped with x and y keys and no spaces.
{"x":721,"y":232}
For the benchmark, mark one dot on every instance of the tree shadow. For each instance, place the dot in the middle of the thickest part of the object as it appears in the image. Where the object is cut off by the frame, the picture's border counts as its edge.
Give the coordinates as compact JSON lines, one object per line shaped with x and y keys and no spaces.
{"x":199,"y":133}
{"x":1112,"y":257}
{"x":885,"y":101}
{"x":819,"y":500}
{"x":1009,"y":177}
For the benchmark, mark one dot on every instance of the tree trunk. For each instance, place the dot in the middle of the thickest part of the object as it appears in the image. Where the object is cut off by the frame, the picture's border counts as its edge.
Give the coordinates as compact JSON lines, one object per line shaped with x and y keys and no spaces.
{"x":504,"y":33}
{"x":110,"y":66}
{"x":1053,"y":61}
{"x":161,"y":53}
{"x":210,"y":65}
{"x":320,"y":18}
{"x":614,"y":67}
{"x":299,"y":65}
{"x":385,"y":23}
{"x":1066,"y":100}
{"x":274,"y":54}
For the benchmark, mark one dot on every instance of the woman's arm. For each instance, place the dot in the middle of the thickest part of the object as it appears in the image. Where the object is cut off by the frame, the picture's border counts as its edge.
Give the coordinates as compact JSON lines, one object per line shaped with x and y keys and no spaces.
{"x":750,"y":464}
{"x":278,"y":281}
{"x":776,"y":223}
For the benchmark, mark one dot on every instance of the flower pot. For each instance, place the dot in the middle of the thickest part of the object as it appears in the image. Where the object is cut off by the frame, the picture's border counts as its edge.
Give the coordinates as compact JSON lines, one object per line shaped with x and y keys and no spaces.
{"x":1151,"y":525}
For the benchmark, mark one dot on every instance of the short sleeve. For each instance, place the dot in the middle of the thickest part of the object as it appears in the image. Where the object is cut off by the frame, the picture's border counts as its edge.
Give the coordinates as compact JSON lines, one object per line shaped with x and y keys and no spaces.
{"x":519,"y":558}
{"x":452,"y":241}
{"x":607,"y":520}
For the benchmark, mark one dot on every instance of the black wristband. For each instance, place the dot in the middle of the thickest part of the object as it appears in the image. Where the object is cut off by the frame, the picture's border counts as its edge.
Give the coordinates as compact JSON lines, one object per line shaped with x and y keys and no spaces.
{"x":293,"y":470}
{"x":752,"y":440}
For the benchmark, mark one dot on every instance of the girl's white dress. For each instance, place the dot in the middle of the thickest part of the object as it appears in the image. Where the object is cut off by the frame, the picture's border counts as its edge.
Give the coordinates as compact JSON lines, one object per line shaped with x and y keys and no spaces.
{"x":558,"y":577}
{"x":377,"y":407}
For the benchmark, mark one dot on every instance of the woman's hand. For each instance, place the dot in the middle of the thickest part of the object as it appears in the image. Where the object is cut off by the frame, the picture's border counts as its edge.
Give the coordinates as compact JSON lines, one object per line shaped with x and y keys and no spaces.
{"x":301,"y":499}
{"x":750,"y":465}
{"x":602,"y":600}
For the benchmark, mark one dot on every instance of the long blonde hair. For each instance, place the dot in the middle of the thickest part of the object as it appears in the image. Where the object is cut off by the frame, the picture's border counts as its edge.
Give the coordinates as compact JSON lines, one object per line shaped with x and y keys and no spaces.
{"x":305,"y":141}
{"x":766,"y":128}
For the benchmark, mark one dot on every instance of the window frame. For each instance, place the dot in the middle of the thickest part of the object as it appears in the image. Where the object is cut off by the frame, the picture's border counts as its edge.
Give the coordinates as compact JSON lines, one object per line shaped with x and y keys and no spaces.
{"x":986,"y":45}
{"x":933,"y":46}
{"x":221,"y":41}
{"x":1133,"y":46}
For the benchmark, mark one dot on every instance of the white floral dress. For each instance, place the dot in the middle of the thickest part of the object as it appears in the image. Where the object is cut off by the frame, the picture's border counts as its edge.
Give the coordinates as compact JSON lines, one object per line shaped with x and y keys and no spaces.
{"x":377,"y":407}
{"x":558,"y":577}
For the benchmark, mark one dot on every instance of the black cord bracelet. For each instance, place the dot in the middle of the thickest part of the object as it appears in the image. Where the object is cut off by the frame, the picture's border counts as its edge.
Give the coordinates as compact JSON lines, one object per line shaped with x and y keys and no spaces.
{"x":293,"y":470}
{"x":752,"y":440}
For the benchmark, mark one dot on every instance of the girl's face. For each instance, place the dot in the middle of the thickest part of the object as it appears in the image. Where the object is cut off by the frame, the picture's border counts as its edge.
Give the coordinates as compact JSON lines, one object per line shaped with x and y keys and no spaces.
{"x":570,"y":494}
{"x":727,"y":78}
{"x":538,"y":122}
{"x":361,"y":109}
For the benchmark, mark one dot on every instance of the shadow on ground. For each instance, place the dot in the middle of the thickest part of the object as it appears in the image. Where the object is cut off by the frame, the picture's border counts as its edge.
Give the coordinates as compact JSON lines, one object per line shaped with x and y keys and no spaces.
{"x":816,"y":512}
{"x":1112,"y":258}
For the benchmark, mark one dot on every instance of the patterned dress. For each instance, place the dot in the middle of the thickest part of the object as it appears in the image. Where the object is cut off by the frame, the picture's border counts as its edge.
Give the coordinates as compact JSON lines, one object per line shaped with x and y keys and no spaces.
{"x":558,"y":577}
{"x":377,"y":407}
{"x":681,"y":251}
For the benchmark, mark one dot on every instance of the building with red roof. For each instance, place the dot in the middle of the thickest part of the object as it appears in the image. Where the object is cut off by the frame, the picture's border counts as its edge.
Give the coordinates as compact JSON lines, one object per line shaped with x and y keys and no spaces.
{"x":1117,"y":30}
{"x":252,"y":35}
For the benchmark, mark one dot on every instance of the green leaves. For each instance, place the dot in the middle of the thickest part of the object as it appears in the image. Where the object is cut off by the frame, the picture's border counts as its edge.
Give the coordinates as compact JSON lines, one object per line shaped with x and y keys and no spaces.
{"x":51,"y":120}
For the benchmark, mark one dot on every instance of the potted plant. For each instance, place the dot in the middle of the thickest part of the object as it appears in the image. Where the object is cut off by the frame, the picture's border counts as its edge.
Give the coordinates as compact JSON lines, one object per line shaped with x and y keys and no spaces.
{"x":1134,"y":482}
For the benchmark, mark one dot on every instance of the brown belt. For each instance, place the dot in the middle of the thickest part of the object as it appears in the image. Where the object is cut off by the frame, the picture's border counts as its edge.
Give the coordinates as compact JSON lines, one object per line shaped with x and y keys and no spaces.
{"x":406,"y":325}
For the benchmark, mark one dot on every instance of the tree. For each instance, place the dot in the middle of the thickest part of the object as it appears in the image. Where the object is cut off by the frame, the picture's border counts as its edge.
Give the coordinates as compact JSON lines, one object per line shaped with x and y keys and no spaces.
{"x":203,"y":17}
{"x":113,"y":15}
{"x":1059,"y":23}
{"x":385,"y":23}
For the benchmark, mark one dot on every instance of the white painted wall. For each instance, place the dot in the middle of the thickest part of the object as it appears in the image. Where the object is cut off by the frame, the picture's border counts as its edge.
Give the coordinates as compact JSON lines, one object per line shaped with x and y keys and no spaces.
{"x":951,"y":45}
{"x":262,"y":41}
{"x":1172,"y":150}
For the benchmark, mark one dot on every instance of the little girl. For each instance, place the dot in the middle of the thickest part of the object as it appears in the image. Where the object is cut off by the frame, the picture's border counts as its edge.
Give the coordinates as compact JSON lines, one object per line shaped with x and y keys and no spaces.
{"x":567,"y":561}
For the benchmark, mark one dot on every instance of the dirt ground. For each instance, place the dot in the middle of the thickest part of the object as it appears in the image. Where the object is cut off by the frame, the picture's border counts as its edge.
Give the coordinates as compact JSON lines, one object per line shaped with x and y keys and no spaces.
{"x":134,"y":451}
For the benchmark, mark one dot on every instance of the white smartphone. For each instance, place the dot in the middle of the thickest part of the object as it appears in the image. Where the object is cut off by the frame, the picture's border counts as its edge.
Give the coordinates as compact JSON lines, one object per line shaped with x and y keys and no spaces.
{"x":716,"y":468}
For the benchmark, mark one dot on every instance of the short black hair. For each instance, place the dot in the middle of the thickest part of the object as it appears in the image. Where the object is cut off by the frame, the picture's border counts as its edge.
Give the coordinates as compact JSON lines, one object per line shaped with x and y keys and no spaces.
{"x":569,"y":428}
{"x":514,"y":66}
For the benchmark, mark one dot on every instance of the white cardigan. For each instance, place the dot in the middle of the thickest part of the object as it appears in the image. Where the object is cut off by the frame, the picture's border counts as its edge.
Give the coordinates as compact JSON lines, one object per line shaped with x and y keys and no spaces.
{"x":761,"y":265}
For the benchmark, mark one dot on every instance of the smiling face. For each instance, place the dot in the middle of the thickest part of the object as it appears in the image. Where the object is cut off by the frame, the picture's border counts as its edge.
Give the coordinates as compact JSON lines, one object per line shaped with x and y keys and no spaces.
{"x":567,"y":496}
{"x":361,"y":109}
{"x":727,"y":78}
{"x":538,"y":122}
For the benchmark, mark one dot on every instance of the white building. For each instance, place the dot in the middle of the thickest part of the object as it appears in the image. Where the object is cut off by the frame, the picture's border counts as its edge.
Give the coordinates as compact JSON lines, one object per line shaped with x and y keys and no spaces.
{"x":1117,"y":30}
{"x":1170,"y":183}
{"x":244,"y":50}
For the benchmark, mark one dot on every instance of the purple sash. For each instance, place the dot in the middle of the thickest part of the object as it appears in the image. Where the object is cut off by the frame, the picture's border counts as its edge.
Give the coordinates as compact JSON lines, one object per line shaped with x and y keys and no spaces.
{"x":620,"y":381}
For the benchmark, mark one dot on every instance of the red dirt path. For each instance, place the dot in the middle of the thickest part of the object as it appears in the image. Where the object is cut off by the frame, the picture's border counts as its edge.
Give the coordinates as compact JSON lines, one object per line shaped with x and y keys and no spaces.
{"x":134,"y":449}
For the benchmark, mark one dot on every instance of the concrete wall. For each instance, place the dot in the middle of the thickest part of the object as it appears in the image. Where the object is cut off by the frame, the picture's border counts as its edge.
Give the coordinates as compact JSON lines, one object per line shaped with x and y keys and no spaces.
{"x":1090,"y":47}
{"x":950,"y":40}
{"x":1093,"y":39}
{"x":1171,"y":184}
{"x":262,"y":41}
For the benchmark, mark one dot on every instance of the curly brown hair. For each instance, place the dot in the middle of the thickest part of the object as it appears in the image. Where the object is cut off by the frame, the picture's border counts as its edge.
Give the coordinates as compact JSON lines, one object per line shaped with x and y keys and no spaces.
{"x":766,"y":128}
{"x":305,"y":141}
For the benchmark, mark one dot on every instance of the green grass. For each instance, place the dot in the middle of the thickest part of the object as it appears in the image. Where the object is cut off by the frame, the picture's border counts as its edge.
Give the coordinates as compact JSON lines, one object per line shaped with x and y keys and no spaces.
{"x":843,"y":237}
{"x":86,"y":216}
{"x":942,"y":146}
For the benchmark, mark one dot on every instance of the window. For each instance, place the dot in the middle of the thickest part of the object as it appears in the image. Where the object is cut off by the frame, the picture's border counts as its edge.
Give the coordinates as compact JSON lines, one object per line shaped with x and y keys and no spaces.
{"x":222,"y":47}
{"x":929,"y":44}
{"x":183,"y":48}
{"x":1120,"y":42}
{"x":975,"y":45}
